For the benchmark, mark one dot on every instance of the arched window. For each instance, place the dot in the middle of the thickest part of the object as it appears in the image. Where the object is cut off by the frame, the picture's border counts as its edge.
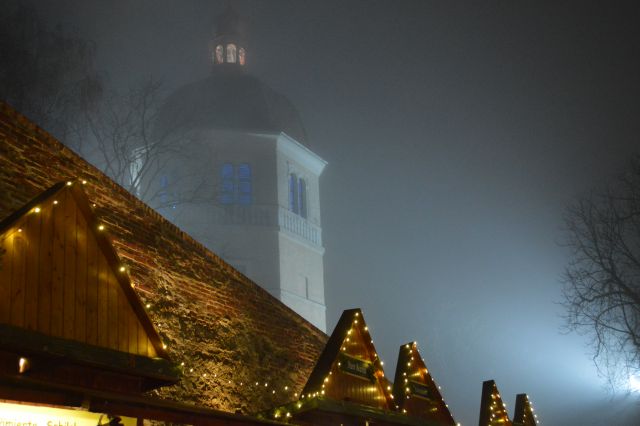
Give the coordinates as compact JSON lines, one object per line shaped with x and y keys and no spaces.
{"x":219,"y":55}
{"x":293,"y":193}
{"x":241,"y":56}
{"x":231,"y":53}
{"x":298,"y":195}
{"x":302,"y":198}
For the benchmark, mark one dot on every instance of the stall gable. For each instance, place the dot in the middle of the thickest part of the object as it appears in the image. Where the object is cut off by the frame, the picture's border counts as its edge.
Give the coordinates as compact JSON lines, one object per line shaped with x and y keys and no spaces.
{"x":414,"y":389}
{"x":493,"y":411}
{"x":60,"y":276}
{"x":349,"y":368}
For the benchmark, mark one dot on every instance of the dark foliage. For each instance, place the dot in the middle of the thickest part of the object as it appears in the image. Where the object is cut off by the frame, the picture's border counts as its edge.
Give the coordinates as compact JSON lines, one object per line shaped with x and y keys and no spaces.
{"x":45,"y":73}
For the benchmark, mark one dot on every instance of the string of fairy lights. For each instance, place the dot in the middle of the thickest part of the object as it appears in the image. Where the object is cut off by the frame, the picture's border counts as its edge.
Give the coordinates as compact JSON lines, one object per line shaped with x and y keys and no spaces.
{"x":187,"y":370}
{"x":420,"y":369}
{"x":497,"y":408}
{"x":363,"y":329}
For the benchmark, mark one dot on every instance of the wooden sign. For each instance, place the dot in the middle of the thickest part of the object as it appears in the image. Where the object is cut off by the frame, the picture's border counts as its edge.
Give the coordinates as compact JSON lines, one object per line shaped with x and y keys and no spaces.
{"x":415,"y":391}
{"x":493,"y":411}
{"x":356,"y":367}
{"x":419,"y":390}
{"x":33,"y":415}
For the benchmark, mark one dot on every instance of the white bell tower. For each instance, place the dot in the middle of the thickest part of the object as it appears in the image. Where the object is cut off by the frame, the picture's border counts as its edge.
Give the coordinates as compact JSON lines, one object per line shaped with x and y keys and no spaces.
{"x":244,"y":183}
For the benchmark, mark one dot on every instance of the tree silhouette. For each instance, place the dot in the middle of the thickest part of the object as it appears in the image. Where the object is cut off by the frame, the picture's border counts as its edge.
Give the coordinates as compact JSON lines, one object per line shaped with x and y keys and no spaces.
{"x":602,"y":281}
{"x":46,"y":74}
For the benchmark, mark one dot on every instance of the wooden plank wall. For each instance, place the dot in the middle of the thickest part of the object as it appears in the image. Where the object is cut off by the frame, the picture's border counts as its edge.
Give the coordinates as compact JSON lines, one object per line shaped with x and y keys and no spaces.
{"x":55,"y":279}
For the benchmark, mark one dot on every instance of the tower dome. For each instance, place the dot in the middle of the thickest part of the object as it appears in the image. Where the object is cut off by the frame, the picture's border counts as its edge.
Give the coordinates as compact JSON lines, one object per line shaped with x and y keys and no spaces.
{"x":229,"y":100}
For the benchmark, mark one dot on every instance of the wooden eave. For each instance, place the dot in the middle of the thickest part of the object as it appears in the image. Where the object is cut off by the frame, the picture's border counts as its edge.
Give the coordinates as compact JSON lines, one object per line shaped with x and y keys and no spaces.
{"x":27,"y":343}
{"x":330,"y":351}
{"x":75,"y":188}
{"x":25,"y":389}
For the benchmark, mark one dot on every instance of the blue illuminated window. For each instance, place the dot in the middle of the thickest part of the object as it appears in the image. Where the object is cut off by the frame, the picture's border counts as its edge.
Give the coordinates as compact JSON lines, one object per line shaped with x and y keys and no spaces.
{"x":164,"y":183}
{"x":227,"y":190}
{"x":293,"y":193}
{"x":297,"y":195}
{"x":244,"y":184}
{"x":236,"y":185}
{"x":302,"y":198}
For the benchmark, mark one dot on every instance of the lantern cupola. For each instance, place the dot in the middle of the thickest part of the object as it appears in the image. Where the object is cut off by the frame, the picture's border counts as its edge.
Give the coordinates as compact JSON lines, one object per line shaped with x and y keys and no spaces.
{"x":228,"y":47}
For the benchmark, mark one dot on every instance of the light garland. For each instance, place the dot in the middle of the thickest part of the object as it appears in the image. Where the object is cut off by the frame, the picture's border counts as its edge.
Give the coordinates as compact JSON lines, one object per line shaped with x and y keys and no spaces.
{"x":497,"y":408}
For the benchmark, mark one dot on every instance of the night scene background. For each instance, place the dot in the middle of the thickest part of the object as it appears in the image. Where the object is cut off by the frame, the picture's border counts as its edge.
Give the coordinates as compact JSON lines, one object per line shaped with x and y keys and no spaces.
{"x":456,"y":134}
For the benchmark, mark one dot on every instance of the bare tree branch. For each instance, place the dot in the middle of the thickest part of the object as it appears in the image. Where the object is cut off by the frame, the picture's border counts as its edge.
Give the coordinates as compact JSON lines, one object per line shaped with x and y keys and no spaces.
{"x":602,"y":281}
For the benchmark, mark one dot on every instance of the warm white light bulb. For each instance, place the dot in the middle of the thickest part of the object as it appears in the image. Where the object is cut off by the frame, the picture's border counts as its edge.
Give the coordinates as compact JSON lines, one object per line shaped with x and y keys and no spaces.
{"x":23,"y":365}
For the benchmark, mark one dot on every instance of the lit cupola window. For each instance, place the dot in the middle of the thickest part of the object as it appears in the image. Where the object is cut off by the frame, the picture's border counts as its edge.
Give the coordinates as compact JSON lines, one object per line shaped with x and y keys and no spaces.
{"x":219,"y":54}
{"x":241,"y":56}
{"x":231,"y":53}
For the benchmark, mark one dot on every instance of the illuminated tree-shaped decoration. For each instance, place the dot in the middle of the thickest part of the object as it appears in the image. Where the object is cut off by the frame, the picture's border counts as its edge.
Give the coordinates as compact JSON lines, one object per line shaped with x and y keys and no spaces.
{"x":349,"y":368}
{"x":415,"y":391}
{"x":493,"y":411}
{"x":524,"y":415}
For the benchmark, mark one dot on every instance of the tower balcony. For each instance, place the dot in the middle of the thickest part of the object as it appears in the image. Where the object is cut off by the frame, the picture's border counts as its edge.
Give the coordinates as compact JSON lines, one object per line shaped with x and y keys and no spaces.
{"x":299,"y":227}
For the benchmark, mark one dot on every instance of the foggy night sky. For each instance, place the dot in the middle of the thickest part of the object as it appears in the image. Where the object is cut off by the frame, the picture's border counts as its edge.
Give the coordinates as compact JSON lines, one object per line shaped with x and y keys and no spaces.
{"x":456,"y":134}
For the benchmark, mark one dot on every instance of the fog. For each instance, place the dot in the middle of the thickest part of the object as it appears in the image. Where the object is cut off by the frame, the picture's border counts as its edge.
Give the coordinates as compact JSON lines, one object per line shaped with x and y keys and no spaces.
{"x":456,"y":133}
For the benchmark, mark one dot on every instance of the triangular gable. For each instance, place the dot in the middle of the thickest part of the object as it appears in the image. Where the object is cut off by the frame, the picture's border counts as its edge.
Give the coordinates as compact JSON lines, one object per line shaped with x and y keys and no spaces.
{"x":60,"y":276}
{"x":493,"y":411}
{"x":524,"y":415}
{"x":349,"y":368}
{"x":414,"y":389}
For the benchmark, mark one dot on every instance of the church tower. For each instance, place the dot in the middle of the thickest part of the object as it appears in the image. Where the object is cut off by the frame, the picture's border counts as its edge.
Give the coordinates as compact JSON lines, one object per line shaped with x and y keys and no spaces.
{"x":243,"y":180}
